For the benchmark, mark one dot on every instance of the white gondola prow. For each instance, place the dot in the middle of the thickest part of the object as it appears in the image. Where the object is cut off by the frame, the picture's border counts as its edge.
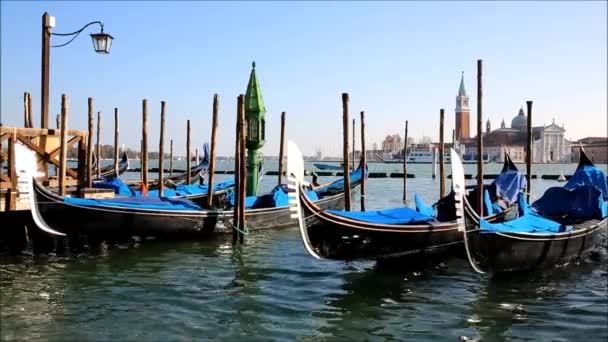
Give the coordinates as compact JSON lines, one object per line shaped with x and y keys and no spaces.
{"x":295,"y":180}
{"x":27,"y":170}
{"x":458,"y":185}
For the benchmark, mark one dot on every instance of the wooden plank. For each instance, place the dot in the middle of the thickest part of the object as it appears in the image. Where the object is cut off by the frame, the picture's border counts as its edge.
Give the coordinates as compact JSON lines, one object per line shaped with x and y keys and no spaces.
{"x":364,"y":158}
{"x":98,"y":149}
{"x":35,"y":132}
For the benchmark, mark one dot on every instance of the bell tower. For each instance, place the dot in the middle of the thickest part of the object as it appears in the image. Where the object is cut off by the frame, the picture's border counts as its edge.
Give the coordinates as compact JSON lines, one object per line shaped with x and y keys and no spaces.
{"x":462,"y":112}
{"x":255,"y":117}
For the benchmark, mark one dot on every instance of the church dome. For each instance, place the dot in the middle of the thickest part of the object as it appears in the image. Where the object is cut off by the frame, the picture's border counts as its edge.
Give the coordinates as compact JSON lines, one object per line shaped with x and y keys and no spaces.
{"x":520,"y":121}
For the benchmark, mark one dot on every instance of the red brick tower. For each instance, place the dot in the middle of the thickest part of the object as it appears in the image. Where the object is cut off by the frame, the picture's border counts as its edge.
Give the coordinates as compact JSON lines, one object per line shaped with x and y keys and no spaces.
{"x":462,"y":113}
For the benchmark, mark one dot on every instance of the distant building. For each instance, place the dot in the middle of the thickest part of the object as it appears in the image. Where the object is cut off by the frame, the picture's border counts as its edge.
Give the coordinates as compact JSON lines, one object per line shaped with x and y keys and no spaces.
{"x":462,"y":113}
{"x":392,"y":143}
{"x":596,"y":149}
{"x":549,"y":144}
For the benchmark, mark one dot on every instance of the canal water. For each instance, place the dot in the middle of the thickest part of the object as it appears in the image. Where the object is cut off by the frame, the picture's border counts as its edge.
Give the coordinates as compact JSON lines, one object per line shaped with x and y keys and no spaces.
{"x":270,"y":289}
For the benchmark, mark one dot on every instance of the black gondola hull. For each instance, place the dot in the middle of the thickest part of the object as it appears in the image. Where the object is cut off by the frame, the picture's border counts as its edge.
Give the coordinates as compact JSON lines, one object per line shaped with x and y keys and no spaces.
{"x":510,"y":252}
{"x":116,"y":222}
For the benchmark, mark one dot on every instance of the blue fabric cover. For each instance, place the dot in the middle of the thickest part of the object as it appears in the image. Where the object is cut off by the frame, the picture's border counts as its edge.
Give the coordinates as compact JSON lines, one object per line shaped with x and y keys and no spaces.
{"x":276,"y":198}
{"x":387,"y":216}
{"x":487,"y":202}
{"x":491,"y":207}
{"x":528,"y":222}
{"x":192,"y":189}
{"x":578,"y":204}
{"x":122,"y":189}
{"x":142,"y":202}
{"x":421,"y":207}
{"x":589,"y":175}
{"x":312,"y":195}
{"x":508,"y":184}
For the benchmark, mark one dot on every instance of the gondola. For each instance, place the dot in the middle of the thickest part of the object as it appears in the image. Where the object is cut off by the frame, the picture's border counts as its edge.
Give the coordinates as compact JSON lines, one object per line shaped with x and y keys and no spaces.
{"x":566,"y":223}
{"x":384,"y":234}
{"x":156,"y":216}
{"x":327,"y":167}
{"x":109,"y":171}
{"x":197,"y":172}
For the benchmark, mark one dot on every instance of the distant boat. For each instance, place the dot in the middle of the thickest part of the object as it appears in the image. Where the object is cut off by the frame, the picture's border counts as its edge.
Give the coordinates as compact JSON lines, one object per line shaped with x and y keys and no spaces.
{"x":561,"y":177}
{"x":425,"y":156}
{"x":327,"y":167}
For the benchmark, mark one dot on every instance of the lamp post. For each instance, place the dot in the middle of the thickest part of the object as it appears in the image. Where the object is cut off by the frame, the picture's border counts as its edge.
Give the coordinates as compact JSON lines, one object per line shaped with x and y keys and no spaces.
{"x":255,"y":117}
{"x":101,"y":43}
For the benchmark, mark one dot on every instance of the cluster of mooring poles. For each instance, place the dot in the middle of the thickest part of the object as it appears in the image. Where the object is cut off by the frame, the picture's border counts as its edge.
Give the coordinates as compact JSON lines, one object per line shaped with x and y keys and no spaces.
{"x":345,"y":154}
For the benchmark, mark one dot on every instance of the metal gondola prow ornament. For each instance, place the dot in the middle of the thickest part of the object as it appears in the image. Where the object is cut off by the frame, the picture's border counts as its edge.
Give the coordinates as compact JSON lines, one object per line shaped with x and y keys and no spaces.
{"x":25,"y":163}
{"x":458,"y":186}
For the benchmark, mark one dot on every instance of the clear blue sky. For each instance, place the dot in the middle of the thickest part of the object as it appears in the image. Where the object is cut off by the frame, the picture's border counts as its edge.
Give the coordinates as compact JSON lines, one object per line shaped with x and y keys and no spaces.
{"x":397,"y":60}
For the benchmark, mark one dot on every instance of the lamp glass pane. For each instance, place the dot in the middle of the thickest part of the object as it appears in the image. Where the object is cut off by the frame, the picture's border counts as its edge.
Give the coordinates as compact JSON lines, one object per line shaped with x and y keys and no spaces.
{"x":108,"y":44}
{"x":101,"y":40}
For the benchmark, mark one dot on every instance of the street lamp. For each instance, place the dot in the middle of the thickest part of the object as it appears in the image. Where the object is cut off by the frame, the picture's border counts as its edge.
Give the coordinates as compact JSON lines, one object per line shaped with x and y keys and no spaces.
{"x":102,"y":42}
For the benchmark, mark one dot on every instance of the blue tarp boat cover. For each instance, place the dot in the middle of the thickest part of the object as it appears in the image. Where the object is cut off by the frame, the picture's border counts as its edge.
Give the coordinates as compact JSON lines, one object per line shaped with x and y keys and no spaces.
{"x":276,"y":198}
{"x":141,"y":202}
{"x":491,"y":207}
{"x":507,"y":185}
{"x":577,"y":204}
{"x":396,"y":216}
{"x":589,"y":175}
{"x":122,"y":189}
{"x":422,"y":207}
{"x":583,"y":197}
{"x":528,"y":222}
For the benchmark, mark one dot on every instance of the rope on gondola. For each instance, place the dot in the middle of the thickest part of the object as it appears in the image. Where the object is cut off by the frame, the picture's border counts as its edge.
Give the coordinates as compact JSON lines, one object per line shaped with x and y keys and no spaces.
{"x":466,"y":244}
{"x":244,"y":232}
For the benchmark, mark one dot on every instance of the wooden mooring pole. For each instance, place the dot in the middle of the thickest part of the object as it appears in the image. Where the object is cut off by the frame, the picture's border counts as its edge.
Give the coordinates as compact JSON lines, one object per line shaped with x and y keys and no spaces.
{"x":345,"y":160}
{"x":90,"y":145}
{"x":144,"y":143}
{"x":214,"y":125}
{"x":479,"y":139}
{"x":188,"y":154}
{"x":364,"y":160}
{"x":243,"y":168}
{"x":26,"y":118}
{"x":441,"y":161}
{"x":98,"y":173}
{"x":405,"y":164}
{"x":30,"y":116}
{"x":353,"y":155}
{"x":237,"y":178}
{"x":62,"y":146}
{"x":161,"y":151}
{"x":529,"y":151}
{"x":171,"y":158}
{"x":116,"y":130}
{"x":281,"y":148}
